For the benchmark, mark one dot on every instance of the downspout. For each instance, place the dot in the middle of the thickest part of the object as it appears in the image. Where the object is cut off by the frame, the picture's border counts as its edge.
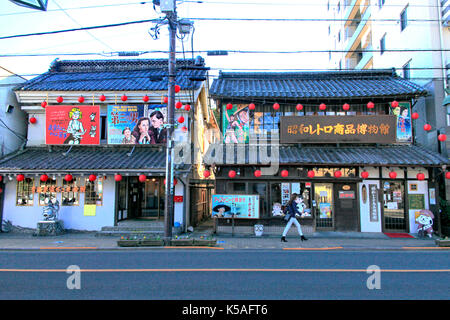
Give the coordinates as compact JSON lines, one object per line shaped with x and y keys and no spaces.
{"x":441,"y":40}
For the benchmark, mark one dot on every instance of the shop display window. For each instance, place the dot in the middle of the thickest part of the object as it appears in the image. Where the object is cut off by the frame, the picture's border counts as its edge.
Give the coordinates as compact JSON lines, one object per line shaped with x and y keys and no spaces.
{"x":49,"y":192}
{"x":68,"y":196}
{"x":24,"y":192}
{"x":94,"y":192}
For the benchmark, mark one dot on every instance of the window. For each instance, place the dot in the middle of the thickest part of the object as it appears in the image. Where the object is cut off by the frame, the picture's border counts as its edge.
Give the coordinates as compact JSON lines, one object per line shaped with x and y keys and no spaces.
{"x":47,"y":191}
{"x":407,"y":70}
{"x":404,"y":19}
{"x":383,"y":44}
{"x":94,"y":192}
{"x":24,"y":192}
{"x":380,"y":3}
{"x":69,"y":196}
{"x":103,"y":135}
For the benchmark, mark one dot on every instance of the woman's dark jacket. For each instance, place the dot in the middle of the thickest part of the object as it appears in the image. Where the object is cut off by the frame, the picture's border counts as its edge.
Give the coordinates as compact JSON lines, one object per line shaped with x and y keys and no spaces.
{"x":292,"y":209}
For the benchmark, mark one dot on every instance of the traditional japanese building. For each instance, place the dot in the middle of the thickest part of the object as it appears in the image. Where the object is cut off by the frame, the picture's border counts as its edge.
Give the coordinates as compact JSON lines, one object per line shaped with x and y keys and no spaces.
{"x":96,"y":142}
{"x":343,"y":140}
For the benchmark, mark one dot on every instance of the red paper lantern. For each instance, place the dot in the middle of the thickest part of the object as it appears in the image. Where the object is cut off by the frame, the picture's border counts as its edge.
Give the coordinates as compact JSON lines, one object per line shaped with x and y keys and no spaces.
{"x":142,"y":178}
{"x":20,"y":177}
{"x":276,"y":106}
{"x":420,"y":176}
{"x":257,"y":173}
{"x":364,"y":174}
{"x":124,"y":98}
{"x":184,"y":128}
{"x":187,"y":107}
{"x":415,"y":116}
{"x":1,"y":178}
{"x":174,"y":181}
{"x":370,"y":105}
{"x":92,"y":177}
{"x":206,"y":173}
{"x":426,"y":127}
{"x":118,"y":177}
{"x":59,"y":99}
{"x":68,"y":177}
{"x":177,"y":88}
{"x":442,"y":137}
{"x":181,"y":119}
{"x":102,"y":98}
{"x":322,"y":106}
{"x":251,"y":106}
{"x":394,"y":104}
{"x":284,"y":173}
{"x":299,"y":107}
{"x":166,"y":99}
{"x":232,"y":173}
{"x":311,"y":174}
{"x":33,"y":120}
{"x":178,"y":105}
{"x":44,"y":177}
{"x":145,"y":98}
{"x":346,"y":107}
{"x":338,"y":174}
{"x":229,"y":106}
{"x":43,"y":104}
{"x":392,"y":174}
{"x":81,"y":99}
{"x":447,"y":175}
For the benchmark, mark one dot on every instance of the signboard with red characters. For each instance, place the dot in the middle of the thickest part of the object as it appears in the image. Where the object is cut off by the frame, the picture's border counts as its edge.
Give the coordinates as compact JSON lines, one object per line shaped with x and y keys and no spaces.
{"x":72,"y":125}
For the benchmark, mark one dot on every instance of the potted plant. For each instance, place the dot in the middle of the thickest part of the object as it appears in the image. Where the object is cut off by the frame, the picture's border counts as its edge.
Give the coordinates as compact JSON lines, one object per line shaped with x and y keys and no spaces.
{"x":181,"y":241}
{"x":151,"y":242}
{"x":205,"y":241}
{"x":128,"y":241}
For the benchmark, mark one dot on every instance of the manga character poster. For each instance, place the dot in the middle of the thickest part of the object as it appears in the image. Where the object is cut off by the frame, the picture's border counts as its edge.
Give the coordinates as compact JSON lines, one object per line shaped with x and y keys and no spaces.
{"x":236,"y":123}
{"x":241,"y":206}
{"x":72,"y":125}
{"x":404,"y":123}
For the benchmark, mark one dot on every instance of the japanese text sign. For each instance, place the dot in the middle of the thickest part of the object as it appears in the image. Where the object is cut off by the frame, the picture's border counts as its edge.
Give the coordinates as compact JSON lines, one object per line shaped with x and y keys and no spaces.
{"x":334,"y":129}
{"x":239,"y":206}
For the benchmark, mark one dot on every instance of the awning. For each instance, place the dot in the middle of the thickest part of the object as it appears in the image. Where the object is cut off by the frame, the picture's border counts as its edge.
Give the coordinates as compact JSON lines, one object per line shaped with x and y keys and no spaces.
{"x":393,"y":155}
{"x":84,"y":159}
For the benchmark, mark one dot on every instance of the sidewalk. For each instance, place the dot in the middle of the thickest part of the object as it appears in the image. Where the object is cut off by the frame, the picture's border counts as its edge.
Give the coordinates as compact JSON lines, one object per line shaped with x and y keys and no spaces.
{"x":316,"y":241}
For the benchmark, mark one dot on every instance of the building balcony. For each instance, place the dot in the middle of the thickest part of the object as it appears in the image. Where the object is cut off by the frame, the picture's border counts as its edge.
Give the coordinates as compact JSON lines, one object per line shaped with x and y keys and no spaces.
{"x":362,"y":27}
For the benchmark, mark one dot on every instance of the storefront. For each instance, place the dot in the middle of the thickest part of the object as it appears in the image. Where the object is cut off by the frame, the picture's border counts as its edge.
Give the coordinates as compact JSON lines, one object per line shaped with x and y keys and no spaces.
{"x":101,"y":153}
{"x":349,"y":152}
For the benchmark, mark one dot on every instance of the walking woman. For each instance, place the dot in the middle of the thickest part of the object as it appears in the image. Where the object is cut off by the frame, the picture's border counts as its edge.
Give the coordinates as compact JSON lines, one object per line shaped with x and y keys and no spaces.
{"x":292,"y":210}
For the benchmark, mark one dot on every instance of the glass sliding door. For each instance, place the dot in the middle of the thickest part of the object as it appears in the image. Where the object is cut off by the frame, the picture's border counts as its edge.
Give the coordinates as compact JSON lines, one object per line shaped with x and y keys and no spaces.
{"x":394,"y":206}
{"x":323,"y":196}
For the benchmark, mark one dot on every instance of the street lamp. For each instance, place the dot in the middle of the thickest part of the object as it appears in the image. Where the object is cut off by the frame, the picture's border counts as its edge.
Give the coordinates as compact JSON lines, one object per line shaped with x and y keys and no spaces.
{"x":32,"y":4}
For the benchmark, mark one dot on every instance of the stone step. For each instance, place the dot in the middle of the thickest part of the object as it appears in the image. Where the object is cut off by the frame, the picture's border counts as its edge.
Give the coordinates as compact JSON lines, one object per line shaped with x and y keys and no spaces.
{"x":125,"y":233}
{"x":134,"y":228}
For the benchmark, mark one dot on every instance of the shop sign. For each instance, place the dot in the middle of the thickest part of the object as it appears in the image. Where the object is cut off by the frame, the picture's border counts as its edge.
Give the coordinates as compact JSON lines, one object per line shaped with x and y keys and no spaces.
{"x":74,"y":125}
{"x":237,"y":205}
{"x":334,"y":129}
{"x":373,"y":202}
{"x":404,"y":127}
{"x":346,"y":194}
{"x":177,"y":198}
{"x":57,"y":189}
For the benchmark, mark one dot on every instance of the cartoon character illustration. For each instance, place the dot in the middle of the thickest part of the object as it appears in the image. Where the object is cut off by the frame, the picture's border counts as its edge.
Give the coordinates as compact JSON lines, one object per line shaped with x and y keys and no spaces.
{"x":75,"y":128}
{"x":93,"y":131}
{"x":276,"y":210}
{"x":92,"y":116}
{"x":221,"y":210}
{"x":425,"y":221}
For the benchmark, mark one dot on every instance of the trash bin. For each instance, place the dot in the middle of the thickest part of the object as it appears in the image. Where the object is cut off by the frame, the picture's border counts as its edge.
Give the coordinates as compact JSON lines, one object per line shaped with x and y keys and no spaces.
{"x":259,"y":230}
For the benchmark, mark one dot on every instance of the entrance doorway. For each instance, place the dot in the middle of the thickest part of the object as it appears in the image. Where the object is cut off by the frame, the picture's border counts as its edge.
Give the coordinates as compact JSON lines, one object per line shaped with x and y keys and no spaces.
{"x":140,"y":200}
{"x":394,"y":218}
{"x":346,"y":211}
{"x":323,"y":196}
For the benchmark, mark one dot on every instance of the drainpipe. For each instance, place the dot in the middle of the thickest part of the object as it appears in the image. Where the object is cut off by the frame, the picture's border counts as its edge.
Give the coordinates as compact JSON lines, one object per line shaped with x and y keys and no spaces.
{"x":441,"y":40}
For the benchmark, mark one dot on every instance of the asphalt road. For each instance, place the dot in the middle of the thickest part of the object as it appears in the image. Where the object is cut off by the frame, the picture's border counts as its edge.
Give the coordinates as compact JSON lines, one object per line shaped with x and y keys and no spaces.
{"x":224,"y":275}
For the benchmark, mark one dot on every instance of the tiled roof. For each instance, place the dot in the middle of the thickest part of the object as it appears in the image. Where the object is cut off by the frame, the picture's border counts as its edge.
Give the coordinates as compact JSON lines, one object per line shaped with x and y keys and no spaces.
{"x":98,"y":159}
{"x":395,"y":155}
{"x":114,"y":75}
{"x":314,"y":85}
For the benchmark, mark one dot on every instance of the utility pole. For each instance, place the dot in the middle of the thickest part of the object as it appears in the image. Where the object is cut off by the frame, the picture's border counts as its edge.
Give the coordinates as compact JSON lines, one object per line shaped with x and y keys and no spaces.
{"x":169,"y":7}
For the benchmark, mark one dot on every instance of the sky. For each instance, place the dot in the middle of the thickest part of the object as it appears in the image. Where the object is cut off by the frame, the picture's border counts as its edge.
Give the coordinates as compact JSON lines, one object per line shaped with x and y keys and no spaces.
{"x":32,"y":55}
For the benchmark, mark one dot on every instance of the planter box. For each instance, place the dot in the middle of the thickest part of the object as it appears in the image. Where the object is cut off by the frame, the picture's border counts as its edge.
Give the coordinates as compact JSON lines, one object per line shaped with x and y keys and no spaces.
{"x":205,"y":242}
{"x":151,"y":243}
{"x":181,"y":242}
{"x":128,"y":243}
{"x":443,"y":243}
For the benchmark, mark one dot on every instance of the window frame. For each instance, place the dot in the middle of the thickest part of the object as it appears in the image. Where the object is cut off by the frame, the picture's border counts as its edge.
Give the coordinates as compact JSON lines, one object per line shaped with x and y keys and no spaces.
{"x":26,"y":193}
{"x":88,"y":198}
{"x":404,"y":18}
